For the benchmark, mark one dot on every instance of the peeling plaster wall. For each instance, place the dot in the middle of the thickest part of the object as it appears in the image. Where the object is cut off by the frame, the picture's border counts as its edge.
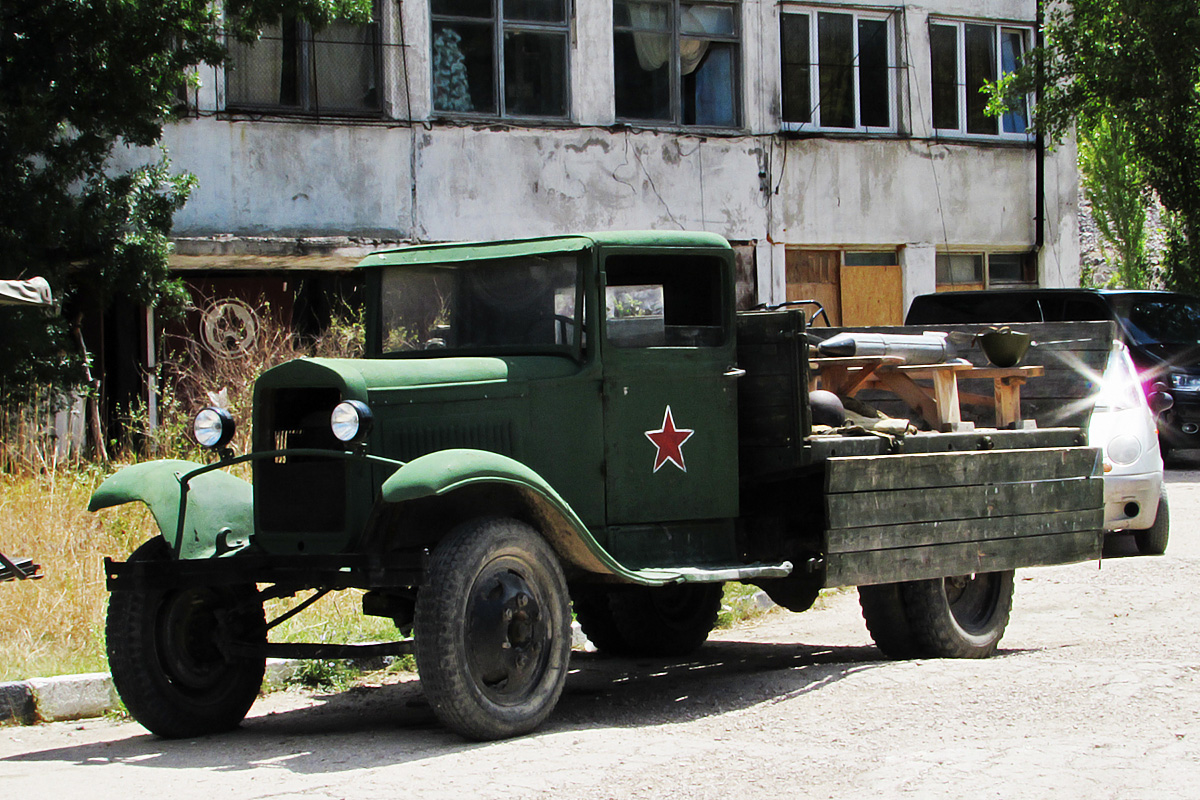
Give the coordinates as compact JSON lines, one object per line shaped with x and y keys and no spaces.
{"x":881,"y":192}
{"x":468,"y":182}
{"x":291,"y":179}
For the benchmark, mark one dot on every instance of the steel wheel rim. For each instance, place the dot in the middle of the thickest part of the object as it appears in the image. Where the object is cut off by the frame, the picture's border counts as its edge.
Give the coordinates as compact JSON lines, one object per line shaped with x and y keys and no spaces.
{"x":187,"y":638}
{"x":972,"y":599}
{"x":508,"y":632}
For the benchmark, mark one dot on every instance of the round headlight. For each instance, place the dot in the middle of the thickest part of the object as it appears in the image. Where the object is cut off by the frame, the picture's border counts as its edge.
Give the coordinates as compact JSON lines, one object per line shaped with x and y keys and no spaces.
{"x":351,"y":421}
{"x":213,"y":427}
{"x":1124,"y":449}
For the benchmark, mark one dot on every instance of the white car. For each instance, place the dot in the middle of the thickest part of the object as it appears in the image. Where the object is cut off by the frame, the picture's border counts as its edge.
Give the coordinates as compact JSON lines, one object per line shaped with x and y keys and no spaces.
{"x":1123,"y":425}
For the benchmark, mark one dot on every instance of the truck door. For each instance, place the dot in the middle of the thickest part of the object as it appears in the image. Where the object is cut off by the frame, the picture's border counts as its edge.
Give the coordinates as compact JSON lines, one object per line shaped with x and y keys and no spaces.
{"x":670,"y":388}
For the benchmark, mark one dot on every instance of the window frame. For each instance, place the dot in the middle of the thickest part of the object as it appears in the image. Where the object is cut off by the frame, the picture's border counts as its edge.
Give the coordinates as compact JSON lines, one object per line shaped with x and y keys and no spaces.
{"x":999,"y":29}
{"x":308,"y":105}
{"x":500,"y":27}
{"x":1028,"y":264}
{"x":676,"y":34}
{"x":814,"y":77}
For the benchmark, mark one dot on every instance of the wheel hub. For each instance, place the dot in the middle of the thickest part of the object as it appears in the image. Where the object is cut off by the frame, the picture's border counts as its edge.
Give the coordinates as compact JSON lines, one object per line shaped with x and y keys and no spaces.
{"x":187,"y":641}
{"x":507,"y":636}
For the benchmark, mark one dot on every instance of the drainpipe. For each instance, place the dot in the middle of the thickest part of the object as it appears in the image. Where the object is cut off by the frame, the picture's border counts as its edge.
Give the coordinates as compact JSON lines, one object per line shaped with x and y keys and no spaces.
{"x":1039,"y":179}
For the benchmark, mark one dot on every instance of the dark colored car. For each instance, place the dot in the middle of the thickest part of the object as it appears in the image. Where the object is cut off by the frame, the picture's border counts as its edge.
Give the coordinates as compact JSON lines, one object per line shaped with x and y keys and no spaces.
{"x":1161,"y":329}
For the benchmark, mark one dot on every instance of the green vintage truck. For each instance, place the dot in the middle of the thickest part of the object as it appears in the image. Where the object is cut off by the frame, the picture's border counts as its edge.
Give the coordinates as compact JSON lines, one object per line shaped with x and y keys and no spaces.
{"x":579,"y":421}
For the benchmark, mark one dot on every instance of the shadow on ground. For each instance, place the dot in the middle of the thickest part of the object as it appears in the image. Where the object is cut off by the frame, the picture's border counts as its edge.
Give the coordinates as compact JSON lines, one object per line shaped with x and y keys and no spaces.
{"x":391,"y":724}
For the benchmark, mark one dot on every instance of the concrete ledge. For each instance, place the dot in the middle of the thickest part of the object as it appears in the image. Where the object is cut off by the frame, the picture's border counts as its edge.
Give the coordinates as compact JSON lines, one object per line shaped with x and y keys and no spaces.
{"x":73,"y":696}
{"x":92,"y":694}
{"x":68,"y":697}
{"x":16,"y":703}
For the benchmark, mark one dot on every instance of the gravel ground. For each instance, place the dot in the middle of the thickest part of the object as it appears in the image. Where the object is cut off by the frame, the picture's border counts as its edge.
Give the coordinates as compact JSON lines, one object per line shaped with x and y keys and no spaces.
{"x":1095,"y":694}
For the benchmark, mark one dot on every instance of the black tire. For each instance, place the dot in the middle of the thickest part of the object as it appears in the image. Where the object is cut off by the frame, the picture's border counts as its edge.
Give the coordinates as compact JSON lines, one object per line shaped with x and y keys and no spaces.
{"x":493,"y":629}
{"x":166,"y":660}
{"x":1153,"y":540}
{"x":595,"y":617}
{"x":668,"y":621}
{"x":959,"y":617}
{"x":887,"y":621}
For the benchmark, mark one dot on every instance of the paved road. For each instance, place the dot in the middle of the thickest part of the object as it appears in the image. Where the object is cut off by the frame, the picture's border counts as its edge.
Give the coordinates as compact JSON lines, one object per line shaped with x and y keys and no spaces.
{"x":1095,"y":694}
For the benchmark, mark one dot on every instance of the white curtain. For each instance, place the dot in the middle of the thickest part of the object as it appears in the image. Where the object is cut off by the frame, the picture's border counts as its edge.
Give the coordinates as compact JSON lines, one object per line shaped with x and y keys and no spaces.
{"x":255,"y":69}
{"x":653,"y":49}
{"x":344,"y":66}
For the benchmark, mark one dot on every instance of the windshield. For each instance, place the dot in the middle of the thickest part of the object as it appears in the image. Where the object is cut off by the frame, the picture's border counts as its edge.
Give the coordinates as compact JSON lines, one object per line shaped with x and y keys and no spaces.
{"x":1167,"y":320}
{"x":525,"y":304}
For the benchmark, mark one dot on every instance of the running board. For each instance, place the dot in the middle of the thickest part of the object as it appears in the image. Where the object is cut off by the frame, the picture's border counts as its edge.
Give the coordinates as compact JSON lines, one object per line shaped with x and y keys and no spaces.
{"x":717,"y":574}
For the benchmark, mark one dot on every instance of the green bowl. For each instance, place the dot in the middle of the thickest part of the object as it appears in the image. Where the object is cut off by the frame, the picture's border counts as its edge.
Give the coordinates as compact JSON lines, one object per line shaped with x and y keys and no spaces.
{"x":1005,"y":348}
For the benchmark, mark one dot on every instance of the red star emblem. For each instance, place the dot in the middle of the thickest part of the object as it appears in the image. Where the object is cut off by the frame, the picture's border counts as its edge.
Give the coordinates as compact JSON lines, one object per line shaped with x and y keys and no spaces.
{"x":669,"y":441}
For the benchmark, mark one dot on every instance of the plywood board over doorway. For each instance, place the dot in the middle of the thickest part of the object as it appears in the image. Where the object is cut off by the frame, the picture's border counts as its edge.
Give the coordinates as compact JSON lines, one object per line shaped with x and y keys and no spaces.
{"x":872,"y":295}
{"x":851,"y":294}
{"x":814,"y":275}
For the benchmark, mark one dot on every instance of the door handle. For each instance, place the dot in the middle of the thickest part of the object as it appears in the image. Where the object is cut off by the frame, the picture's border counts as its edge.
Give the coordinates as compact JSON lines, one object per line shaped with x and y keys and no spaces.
{"x":734,"y":372}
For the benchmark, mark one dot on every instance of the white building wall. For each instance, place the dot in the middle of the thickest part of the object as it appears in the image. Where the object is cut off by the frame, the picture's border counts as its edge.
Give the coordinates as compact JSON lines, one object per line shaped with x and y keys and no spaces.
{"x":436,"y":181}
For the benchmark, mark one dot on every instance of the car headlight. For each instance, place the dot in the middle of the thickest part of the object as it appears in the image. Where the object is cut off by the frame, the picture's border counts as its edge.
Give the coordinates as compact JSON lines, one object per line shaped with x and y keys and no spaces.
{"x":1189,"y":382}
{"x":213,"y":427}
{"x":1124,"y":449}
{"x":351,"y":421}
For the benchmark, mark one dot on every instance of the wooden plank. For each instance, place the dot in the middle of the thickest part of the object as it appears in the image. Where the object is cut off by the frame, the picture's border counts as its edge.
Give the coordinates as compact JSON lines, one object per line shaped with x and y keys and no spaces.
{"x":1008,"y":400}
{"x":945,"y":394}
{"x":938,"y":561}
{"x":861,"y":509}
{"x":815,"y":275}
{"x":928,"y":470}
{"x":885,"y":537}
{"x":872,"y":295}
{"x":907,"y":390}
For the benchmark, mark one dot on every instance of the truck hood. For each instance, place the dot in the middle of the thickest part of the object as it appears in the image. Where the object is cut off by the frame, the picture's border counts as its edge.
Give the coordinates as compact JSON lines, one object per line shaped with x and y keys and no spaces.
{"x":356,"y":377}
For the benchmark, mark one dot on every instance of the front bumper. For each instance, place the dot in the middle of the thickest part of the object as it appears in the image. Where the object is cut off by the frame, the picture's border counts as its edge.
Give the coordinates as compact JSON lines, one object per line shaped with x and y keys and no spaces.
{"x":1131,"y":501}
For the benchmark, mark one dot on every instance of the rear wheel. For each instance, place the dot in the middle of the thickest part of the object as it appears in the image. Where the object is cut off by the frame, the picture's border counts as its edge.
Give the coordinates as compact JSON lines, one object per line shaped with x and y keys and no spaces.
{"x":884,"y":612}
{"x":957,"y":617}
{"x":493,"y":629}
{"x":1153,"y":540}
{"x":166,"y":650}
{"x":650,"y":620}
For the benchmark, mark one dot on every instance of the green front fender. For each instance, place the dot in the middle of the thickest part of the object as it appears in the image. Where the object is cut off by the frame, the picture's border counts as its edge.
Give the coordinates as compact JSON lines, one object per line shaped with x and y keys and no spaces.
{"x":446,"y":471}
{"x":220,"y":507}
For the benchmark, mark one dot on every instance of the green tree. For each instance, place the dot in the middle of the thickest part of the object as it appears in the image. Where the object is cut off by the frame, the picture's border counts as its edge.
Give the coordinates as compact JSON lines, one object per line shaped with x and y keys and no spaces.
{"x":1138,"y":62}
{"x":1115,"y":184}
{"x":78,"y":79}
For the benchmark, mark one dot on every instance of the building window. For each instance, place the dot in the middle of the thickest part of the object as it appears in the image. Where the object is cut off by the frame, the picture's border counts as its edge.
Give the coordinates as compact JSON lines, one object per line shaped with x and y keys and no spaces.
{"x":293,"y":68}
{"x":958,"y":271}
{"x":506,"y":58}
{"x":965,"y":56}
{"x":838,"y":71}
{"x":677,"y":62}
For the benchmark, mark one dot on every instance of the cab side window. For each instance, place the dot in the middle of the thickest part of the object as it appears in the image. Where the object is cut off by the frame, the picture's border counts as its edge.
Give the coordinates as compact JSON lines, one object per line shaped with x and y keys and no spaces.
{"x":663,"y":301}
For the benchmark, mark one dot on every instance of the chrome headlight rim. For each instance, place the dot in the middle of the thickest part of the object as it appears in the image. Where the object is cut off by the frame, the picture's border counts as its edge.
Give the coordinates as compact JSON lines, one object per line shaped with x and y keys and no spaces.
{"x":350,"y":421}
{"x":213,"y":427}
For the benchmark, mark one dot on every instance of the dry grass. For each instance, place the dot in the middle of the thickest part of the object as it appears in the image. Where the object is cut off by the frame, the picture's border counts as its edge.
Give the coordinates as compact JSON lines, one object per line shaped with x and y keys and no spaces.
{"x":55,"y":625}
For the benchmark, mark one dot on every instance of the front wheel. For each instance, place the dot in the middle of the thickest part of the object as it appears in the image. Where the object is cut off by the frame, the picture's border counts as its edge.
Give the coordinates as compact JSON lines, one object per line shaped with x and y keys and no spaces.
{"x":493,"y":629}
{"x":1153,"y":540}
{"x":165,"y":650}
